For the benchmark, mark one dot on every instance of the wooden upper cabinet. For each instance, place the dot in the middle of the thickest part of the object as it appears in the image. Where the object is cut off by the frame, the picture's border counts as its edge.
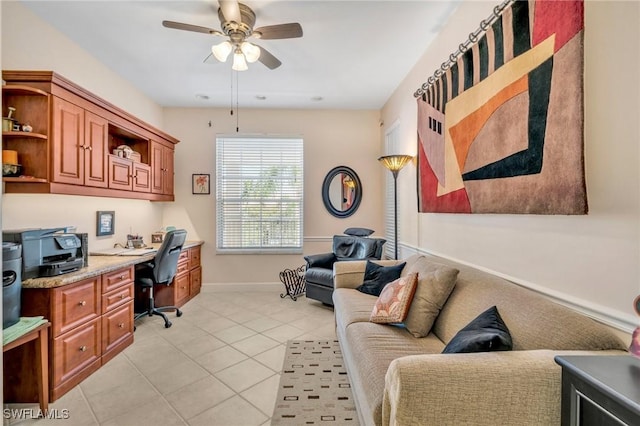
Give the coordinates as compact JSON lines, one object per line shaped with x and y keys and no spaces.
{"x":162,"y":168}
{"x":75,"y":135}
{"x":67,"y":142}
{"x":95,"y":149}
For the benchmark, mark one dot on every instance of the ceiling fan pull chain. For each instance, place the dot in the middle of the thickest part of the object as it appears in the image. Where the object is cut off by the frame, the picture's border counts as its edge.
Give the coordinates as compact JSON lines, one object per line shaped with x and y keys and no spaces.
{"x":231,"y":97}
{"x":237,"y":105}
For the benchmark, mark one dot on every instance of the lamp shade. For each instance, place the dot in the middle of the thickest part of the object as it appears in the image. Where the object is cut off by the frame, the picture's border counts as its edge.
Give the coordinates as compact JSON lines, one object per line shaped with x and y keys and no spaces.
{"x":239,"y":63}
{"x":221,"y":51}
{"x":251,"y":51}
{"x":395,"y":162}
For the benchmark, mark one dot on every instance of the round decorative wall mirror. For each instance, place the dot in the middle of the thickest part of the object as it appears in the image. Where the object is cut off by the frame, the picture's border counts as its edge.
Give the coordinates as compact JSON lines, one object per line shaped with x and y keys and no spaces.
{"x":341,"y":191}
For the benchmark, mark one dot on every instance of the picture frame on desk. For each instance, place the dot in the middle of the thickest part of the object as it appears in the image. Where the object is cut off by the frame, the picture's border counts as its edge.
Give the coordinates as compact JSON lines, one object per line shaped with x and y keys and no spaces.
{"x":105,"y":223}
{"x":200,"y":183}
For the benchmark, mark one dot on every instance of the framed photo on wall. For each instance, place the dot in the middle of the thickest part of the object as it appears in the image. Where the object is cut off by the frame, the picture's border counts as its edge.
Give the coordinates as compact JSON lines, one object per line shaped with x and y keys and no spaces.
{"x":105,"y":223}
{"x":200,"y":183}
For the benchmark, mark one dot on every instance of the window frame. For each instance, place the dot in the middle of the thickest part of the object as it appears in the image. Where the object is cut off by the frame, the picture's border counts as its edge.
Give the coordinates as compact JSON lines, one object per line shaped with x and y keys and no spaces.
{"x":293,"y":196}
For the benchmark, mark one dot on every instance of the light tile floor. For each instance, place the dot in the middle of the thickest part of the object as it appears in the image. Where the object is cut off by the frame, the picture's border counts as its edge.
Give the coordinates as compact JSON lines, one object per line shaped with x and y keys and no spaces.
{"x":218,"y":364}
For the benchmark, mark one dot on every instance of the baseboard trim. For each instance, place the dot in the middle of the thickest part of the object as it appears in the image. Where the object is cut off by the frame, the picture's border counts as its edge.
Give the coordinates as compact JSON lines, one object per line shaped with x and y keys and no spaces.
{"x":243,"y":287}
{"x":614,"y":319}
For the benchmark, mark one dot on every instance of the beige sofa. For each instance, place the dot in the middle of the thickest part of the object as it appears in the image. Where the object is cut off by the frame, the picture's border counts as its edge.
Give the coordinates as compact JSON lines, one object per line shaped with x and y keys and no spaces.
{"x":398,"y":379}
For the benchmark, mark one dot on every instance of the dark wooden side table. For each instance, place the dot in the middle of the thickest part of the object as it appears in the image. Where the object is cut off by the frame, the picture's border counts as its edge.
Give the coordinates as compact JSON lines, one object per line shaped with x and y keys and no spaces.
{"x":15,"y":379}
{"x":600,"y":390}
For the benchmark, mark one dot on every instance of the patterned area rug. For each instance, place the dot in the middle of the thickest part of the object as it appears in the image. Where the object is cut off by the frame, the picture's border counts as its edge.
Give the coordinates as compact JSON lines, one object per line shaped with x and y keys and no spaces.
{"x":314,"y":387}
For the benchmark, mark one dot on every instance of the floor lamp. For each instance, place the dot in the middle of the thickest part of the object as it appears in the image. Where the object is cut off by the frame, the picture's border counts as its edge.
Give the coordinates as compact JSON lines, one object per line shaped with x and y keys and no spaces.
{"x":395,"y":163}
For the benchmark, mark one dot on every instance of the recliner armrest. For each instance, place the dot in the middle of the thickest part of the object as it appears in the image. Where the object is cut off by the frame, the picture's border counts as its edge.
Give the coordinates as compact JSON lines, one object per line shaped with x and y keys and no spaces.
{"x":323,"y":260}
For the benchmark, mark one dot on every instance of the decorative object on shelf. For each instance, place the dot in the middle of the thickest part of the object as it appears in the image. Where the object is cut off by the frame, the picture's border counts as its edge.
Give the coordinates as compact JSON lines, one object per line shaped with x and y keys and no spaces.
{"x":635,"y":338}
{"x":200,"y":183}
{"x":11,"y":170}
{"x":8,"y":121}
{"x":27,"y":128}
{"x":105,"y":223}
{"x":395,"y":163}
{"x":294,"y":283}
{"x":341,"y":191}
{"x":501,"y":126}
{"x":123,"y":151}
{"x":9,"y":156}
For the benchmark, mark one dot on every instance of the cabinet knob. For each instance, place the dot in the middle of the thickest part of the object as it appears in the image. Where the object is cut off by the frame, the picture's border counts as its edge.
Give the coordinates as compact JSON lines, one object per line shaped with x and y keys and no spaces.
{"x":122,"y":277}
{"x":89,"y":148}
{"x":122,"y":296}
{"x":82,"y":303}
{"x":83,"y":348}
{"x":121,"y":325}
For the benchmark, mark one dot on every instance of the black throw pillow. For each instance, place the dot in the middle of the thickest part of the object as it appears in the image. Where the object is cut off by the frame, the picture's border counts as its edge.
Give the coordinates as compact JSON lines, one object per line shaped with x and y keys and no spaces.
{"x":377,"y":276}
{"x":358,"y":232}
{"x":486,"y":333}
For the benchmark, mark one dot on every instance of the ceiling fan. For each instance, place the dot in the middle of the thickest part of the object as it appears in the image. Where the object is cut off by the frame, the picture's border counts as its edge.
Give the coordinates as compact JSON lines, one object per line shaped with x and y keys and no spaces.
{"x":237,"y":21}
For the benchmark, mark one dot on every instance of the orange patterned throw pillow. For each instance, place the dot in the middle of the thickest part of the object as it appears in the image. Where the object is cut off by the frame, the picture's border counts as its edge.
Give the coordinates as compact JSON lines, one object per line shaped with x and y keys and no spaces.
{"x":393,"y":303}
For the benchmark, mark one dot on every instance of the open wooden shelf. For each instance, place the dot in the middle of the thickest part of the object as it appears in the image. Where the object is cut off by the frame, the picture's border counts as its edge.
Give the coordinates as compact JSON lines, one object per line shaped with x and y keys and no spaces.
{"x":18,"y":89}
{"x":24,"y":179}
{"x":24,"y":135}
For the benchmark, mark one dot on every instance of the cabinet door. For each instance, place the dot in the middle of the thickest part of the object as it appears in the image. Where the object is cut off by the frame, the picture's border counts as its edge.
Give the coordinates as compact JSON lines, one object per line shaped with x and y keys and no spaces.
{"x":120,"y":173}
{"x":157,"y":168}
{"x":67,"y":142}
{"x":181,"y":284}
{"x":141,"y":177}
{"x":195,"y":281}
{"x":95,"y":150}
{"x":167,"y":187}
{"x":76,"y":350}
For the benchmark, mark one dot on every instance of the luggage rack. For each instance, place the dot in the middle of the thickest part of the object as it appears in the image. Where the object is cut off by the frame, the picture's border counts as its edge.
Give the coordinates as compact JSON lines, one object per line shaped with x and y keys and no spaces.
{"x":294,"y":283}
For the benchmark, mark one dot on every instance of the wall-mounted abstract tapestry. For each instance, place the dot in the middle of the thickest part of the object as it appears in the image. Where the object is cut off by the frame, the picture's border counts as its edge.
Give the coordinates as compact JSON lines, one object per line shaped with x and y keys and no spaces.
{"x":501,"y":130}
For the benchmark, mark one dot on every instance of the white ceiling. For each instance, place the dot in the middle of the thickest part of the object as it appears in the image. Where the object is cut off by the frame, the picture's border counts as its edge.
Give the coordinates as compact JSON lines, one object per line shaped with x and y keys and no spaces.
{"x":353,"y":53}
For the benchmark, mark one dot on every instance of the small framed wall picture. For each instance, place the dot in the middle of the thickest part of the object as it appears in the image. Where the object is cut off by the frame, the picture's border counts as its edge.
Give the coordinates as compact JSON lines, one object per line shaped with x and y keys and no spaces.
{"x":105,"y":223}
{"x":200,"y":183}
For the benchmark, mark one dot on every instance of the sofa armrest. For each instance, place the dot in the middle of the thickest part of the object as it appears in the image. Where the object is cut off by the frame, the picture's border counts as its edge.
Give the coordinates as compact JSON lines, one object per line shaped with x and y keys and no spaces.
{"x":322,"y":260}
{"x":478,"y":388}
{"x":350,"y":274}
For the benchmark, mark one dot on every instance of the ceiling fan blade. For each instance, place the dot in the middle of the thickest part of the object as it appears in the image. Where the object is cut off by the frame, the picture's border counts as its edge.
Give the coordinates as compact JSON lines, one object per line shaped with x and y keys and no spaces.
{"x":230,"y":10}
{"x":268,"y":59}
{"x":189,"y":27}
{"x":272,"y":32}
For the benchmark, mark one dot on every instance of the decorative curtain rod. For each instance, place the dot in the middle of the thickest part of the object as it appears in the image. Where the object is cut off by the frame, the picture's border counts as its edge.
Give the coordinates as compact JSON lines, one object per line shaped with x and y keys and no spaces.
{"x":473,"y":38}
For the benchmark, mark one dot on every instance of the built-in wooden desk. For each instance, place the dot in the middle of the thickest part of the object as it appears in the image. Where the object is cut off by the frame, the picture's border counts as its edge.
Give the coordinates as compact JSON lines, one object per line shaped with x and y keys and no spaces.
{"x":91,"y":312}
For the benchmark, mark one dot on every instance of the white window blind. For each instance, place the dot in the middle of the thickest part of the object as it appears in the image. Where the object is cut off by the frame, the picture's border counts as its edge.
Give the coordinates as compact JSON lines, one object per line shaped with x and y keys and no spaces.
{"x":391,"y":147}
{"x":259,"y":194}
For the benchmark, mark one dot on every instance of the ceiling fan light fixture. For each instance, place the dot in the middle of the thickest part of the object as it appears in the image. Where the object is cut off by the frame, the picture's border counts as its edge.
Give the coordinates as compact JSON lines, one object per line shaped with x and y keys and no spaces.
{"x":221,"y":51}
{"x":239,"y":62}
{"x":251,"y":51}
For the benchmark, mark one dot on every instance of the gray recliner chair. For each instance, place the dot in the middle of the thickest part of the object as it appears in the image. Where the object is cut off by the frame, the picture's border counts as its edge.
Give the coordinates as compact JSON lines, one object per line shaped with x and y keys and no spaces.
{"x":356,"y":246}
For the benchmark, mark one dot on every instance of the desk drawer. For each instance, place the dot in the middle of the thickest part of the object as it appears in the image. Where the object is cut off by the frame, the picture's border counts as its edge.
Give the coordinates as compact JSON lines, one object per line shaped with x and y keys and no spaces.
{"x":115,"y":279}
{"x":194,"y":257}
{"x":117,"y":297}
{"x":74,"y":351}
{"x":75,"y":304}
{"x":182,"y":288}
{"x":117,"y":326}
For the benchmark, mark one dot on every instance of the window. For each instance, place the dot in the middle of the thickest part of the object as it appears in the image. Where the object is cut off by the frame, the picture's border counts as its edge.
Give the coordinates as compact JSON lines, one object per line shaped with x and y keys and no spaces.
{"x":259,"y":194}
{"x":392,"y":144}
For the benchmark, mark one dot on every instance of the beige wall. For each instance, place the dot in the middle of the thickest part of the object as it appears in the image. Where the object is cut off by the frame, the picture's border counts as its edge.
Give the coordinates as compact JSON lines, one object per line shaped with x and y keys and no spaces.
{"x":331,"y":138}
{"x":589,"y":262}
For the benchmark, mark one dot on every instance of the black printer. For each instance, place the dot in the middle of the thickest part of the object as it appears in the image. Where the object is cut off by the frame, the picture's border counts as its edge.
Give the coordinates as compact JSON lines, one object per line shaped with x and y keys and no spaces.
{"x":49,"y":252}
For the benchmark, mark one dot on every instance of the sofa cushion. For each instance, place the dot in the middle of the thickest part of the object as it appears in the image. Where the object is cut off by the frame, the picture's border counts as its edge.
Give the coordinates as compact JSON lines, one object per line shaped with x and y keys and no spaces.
{"x":351,"y":306}
{"x":435,"y":283}
{"x":377,"y":276}
{"x":486,"y":333}
{"x":368,"y":351}
{"x":521,"y":308}
{"x":394,"y":300}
